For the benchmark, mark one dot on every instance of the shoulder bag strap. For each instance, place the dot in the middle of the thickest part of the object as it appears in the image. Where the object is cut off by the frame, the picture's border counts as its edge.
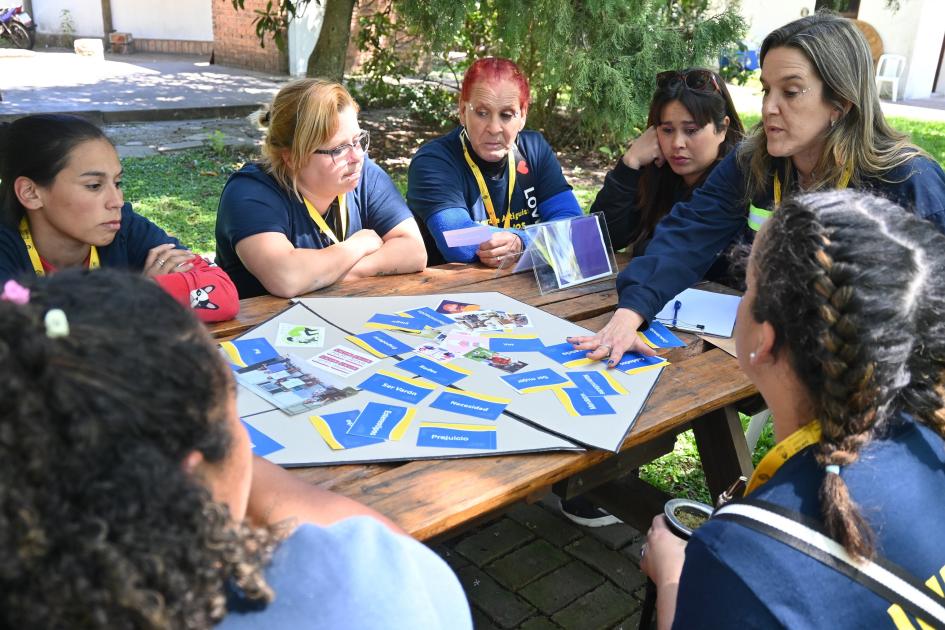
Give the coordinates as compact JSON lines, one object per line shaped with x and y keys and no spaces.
{"x":888,"y":580}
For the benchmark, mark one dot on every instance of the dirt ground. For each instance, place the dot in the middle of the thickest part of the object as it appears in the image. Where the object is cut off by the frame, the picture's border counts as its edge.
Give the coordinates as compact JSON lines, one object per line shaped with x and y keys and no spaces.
{"x":394,"y":139}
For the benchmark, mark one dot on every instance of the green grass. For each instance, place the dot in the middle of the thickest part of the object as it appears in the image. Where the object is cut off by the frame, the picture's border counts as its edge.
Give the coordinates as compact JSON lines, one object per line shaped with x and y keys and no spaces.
{"x":680,"y":473}
{"x":180,"y":191}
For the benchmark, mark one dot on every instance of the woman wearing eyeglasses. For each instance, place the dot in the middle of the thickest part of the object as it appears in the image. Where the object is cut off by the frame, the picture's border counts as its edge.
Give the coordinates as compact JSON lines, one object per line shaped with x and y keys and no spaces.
{"x":822,"y":128}
{"x":315,"y":209}
{"x":692,"y":125}
{"x":487,"y":172}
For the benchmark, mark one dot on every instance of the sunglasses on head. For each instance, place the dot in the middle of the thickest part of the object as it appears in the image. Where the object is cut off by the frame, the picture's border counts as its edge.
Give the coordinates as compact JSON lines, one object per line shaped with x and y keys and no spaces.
{"x":695,"y":80}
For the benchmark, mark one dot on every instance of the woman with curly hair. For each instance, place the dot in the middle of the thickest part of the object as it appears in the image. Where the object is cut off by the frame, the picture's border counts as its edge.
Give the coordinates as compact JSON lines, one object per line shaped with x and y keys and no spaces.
{"x":126,"y":476}
{"x":843,"y":331}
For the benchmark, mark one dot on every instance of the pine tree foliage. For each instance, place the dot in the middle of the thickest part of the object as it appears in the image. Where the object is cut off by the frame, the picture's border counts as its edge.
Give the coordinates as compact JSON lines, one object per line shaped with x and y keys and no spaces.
{"x":591,"y":63}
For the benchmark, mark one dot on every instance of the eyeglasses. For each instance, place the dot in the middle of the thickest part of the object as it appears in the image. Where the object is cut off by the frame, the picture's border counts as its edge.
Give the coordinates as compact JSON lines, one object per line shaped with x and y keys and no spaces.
{"x":695,"y":80}
{"x":361,"y":143}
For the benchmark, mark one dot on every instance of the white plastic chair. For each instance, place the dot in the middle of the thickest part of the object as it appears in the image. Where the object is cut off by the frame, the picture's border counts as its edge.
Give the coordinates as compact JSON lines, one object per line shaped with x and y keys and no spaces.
{"x":888,"y":70}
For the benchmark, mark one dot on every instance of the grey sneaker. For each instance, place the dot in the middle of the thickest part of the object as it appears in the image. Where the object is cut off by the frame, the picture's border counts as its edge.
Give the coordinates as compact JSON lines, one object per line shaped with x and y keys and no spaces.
{"x":583,"y":512}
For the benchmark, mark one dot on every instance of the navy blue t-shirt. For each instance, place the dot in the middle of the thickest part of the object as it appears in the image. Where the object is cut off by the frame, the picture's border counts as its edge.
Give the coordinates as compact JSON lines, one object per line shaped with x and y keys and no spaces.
{"x":136,"y":237}
{"x":253,"y":202}
{"x":736,"y":577}
{"x":440,"y":178}
{"x":688,"y":239}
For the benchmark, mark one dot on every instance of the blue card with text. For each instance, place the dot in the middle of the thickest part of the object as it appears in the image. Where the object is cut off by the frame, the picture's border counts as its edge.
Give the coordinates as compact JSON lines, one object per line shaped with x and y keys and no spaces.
{"x":247,"y":352}
{"x":443,"y":374}
{"x":515,"y":344}
{"x":470,"y":404}
{"x":379,"y":343}
{"x":596,"y":383}
{"x":379,"y":420}
{"x":535,"y":380}
{"x":442,"y":435}
{"x":566,"y":355}
{"x":262,"y":444}
{"x":436,"y":319}
{"x":397,"y":322}
{"x":633,"y":362}
{"x":394,"y":386}
{"x":333,"y":427}
{"x":659,"y":336}
{"x":580,"y":404}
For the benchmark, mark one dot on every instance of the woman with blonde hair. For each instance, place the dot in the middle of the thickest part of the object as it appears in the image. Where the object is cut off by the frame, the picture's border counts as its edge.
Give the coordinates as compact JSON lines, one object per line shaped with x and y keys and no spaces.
{"x":822,"y":127}
{"x":315,"y":209}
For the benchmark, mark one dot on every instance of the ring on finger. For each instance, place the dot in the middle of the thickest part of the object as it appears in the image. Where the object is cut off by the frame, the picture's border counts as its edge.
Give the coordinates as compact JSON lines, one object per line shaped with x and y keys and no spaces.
{"x":642,"y":551}
{"x":160,"y":262}
{"x":605,"y":345}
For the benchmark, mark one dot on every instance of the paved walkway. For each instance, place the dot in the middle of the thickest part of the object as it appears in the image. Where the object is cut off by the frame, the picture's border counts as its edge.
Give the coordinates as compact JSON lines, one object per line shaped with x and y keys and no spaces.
{"x":128,"y":87}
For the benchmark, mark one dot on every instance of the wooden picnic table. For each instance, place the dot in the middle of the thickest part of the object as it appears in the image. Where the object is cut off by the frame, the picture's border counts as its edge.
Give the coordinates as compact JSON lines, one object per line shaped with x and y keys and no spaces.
{"x":430,"y":498}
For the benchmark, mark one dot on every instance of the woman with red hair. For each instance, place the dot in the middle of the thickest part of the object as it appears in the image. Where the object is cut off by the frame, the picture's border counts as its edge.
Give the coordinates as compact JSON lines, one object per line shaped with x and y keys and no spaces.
{"x":488,"y":171}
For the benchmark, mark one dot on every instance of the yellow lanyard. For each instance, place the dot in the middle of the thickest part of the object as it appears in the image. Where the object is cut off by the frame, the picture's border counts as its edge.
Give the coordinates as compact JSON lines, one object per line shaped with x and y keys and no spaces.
{"x":784,"y":450}
{"x":320,"y":221}
{"x":843,"y":183}
{"x":34,"y":255}
{"x":484,"y":191}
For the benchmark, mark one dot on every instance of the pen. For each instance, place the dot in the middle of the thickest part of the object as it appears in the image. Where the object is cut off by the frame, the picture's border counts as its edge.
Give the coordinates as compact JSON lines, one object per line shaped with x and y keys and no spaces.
{"x":676,"y":306}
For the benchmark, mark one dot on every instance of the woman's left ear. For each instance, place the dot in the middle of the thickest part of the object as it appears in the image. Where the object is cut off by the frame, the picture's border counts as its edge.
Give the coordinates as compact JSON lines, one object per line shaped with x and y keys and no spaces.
{"x":27,"y":193}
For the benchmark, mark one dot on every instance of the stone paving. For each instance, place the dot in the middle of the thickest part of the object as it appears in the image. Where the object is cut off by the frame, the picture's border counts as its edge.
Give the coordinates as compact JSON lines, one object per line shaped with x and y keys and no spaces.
{"x":533,"y":569}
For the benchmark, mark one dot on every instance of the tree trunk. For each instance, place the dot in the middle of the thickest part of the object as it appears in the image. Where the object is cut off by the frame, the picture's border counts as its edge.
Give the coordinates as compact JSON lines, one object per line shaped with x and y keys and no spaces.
{"x":328,"y":58}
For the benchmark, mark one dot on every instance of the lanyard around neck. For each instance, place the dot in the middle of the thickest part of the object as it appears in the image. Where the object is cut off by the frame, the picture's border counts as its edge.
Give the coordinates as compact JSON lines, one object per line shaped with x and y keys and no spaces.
{"x":34,"y":254}
{"x":484,"y":191}
{"x":843,"y":183}
{"x":781,"y":452}
{"x":320,"y":221}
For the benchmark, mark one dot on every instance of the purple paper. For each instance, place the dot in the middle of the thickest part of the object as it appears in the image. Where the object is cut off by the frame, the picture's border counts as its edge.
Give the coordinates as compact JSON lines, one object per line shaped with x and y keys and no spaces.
{"x":467,"y":236}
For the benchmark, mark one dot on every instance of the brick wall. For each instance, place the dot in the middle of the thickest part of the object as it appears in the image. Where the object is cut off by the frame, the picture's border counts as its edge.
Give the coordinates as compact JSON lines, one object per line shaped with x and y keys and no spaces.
{"x":173,"y":46}
{"x":235,"y":42}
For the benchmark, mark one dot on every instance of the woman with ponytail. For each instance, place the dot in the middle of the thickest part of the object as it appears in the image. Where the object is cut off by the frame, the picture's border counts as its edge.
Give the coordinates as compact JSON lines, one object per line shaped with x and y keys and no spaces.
{"x":843,"y":331}
{"x":62,"y":205}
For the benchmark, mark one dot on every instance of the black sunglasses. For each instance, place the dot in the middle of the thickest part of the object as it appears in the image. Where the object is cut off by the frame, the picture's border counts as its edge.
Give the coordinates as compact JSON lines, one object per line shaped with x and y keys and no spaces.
{"x":695,"y":80}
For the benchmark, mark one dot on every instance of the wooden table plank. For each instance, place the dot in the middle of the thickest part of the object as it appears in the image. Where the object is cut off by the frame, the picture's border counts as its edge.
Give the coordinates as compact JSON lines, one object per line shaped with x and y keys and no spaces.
{"x":430,"y":497}
{"x":447,"y":278}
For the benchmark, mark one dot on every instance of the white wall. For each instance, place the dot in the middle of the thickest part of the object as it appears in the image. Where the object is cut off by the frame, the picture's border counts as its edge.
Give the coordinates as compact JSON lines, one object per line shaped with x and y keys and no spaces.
{"x":303,"y":33}
{"x":764,"y":16}
{"x":164,"y":19}
{"x":916,"y":32}
{"x":86,"y":14}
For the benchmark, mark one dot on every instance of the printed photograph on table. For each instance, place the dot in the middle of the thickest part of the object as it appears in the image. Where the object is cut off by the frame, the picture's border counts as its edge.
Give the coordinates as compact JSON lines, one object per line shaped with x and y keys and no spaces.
{"x":299,"y":336}
{"x":492,"y":321}
{"x":436,"y":353}
{"x":292,"y":386}
{"x":450,"y":307}
{"x":496,"y":360}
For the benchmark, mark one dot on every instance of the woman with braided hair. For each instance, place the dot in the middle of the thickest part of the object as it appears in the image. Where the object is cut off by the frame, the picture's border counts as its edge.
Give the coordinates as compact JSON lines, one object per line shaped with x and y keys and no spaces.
{"x":843,"y":331}
{"x":127,"y":485}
